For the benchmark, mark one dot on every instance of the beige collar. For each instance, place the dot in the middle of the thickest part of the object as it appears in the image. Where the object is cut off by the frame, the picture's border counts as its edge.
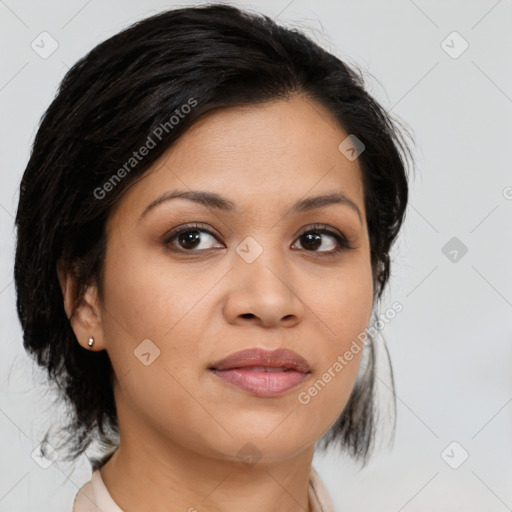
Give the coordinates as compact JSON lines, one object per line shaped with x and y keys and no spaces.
{"x":94,"y":496}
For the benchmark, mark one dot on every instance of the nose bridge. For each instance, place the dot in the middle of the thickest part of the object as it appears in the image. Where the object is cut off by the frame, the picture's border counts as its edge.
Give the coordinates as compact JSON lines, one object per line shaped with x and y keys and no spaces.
{"x":263,"y":259}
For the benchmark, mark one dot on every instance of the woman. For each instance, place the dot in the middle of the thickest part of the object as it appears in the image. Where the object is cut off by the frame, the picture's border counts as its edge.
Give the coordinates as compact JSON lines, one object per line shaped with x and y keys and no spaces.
{"x":204,"y":230}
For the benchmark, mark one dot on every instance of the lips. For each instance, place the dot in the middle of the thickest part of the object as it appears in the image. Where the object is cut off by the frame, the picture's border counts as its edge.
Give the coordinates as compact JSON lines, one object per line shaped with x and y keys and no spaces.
{"x":270,"y":361}
{"x":262,"y":373}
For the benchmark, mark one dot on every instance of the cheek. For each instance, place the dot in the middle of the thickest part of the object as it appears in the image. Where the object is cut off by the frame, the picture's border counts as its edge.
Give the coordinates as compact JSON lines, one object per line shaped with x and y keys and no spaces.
{"x":341,"y":310}
{"x":152,"y":317}
{"x":323,"y":400}
{"x":344,"y":304}
{"x":348,"y":305}
{"x":146,"y":297}
{"x":151,"y":308}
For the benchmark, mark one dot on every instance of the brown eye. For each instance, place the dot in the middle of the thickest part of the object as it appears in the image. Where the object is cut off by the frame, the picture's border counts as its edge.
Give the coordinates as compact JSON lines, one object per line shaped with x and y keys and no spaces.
{"x":192,"y":238}
{"x":315,"y":238}
{"x":189,"y":239}
{"x":311,"y":241}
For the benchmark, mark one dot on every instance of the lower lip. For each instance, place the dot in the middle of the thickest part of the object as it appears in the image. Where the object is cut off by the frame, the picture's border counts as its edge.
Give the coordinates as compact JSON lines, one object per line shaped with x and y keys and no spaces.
{"x":264,"y":384}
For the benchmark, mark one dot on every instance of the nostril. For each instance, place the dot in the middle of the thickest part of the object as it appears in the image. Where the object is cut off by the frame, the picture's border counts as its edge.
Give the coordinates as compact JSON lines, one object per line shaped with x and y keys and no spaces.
{"x":247,"y":315}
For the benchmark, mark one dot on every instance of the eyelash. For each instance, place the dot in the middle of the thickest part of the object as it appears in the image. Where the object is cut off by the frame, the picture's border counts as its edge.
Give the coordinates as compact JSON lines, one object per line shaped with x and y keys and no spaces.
{"x":342,"y":243}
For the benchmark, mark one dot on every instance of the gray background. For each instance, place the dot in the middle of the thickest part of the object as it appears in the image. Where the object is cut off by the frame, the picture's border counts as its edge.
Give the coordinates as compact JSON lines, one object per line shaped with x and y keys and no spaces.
{"x":450,"y":346}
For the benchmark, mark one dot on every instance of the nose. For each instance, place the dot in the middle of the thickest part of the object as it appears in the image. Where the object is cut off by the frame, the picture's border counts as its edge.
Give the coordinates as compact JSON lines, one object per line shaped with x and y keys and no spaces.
{"x":263,"y":292}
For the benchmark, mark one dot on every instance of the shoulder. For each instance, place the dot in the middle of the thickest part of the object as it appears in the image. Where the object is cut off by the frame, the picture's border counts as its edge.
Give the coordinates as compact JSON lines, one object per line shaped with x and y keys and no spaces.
{"x":85,"y":500}
{"x":320,"y":499}
{"x":95,"y":497}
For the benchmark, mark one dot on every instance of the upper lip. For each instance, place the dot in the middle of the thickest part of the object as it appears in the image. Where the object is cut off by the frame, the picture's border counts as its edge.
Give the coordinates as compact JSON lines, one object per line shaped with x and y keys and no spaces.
{"x":279,"y":358}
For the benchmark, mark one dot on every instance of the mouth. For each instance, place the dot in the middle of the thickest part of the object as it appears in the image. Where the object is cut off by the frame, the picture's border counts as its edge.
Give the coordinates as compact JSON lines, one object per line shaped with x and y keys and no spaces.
{"x":263,"y":373}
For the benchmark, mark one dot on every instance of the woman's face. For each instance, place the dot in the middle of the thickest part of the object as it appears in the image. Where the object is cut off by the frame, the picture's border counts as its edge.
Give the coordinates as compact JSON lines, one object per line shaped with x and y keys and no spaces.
{"x":175,"y":305}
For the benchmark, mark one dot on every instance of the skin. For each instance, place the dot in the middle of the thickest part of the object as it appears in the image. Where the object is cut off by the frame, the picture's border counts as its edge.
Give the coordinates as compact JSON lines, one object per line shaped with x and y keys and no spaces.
{"x":181,"y":427}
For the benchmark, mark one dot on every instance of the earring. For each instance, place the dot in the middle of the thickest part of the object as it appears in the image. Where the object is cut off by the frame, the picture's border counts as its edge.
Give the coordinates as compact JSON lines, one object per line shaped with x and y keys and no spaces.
{"x":91,"y":342}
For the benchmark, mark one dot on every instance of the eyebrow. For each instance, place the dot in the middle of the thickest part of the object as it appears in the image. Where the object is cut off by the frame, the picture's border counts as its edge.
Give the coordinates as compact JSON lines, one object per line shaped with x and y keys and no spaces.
{"x":216,"y":201}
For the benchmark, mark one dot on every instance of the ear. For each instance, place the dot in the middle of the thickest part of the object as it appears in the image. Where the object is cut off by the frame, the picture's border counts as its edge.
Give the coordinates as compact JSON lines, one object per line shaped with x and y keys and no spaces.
{"x":84,"y":317}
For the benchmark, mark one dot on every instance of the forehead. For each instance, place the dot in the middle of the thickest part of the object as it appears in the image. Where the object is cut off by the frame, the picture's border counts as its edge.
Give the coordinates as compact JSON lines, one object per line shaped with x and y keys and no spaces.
{"x":270,"y":154}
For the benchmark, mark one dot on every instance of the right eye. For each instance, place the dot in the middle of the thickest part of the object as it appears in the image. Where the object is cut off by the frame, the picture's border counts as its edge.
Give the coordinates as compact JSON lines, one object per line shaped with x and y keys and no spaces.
{"x":189,"y":239}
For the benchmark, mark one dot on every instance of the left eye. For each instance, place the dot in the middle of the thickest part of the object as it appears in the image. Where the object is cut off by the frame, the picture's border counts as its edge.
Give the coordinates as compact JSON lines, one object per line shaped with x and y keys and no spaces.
{"x":188,"y":239}
{"x":313,"y":238}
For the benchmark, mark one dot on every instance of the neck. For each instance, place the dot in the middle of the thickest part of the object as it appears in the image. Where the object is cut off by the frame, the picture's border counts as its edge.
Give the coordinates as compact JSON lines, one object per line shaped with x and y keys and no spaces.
{"x":149,"y":472}
{"x":181,"y":480}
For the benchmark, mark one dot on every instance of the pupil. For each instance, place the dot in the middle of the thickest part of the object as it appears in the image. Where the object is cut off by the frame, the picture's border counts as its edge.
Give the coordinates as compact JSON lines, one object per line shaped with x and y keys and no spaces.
{"x":189,"y":237}
{"x":313,"y":240}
